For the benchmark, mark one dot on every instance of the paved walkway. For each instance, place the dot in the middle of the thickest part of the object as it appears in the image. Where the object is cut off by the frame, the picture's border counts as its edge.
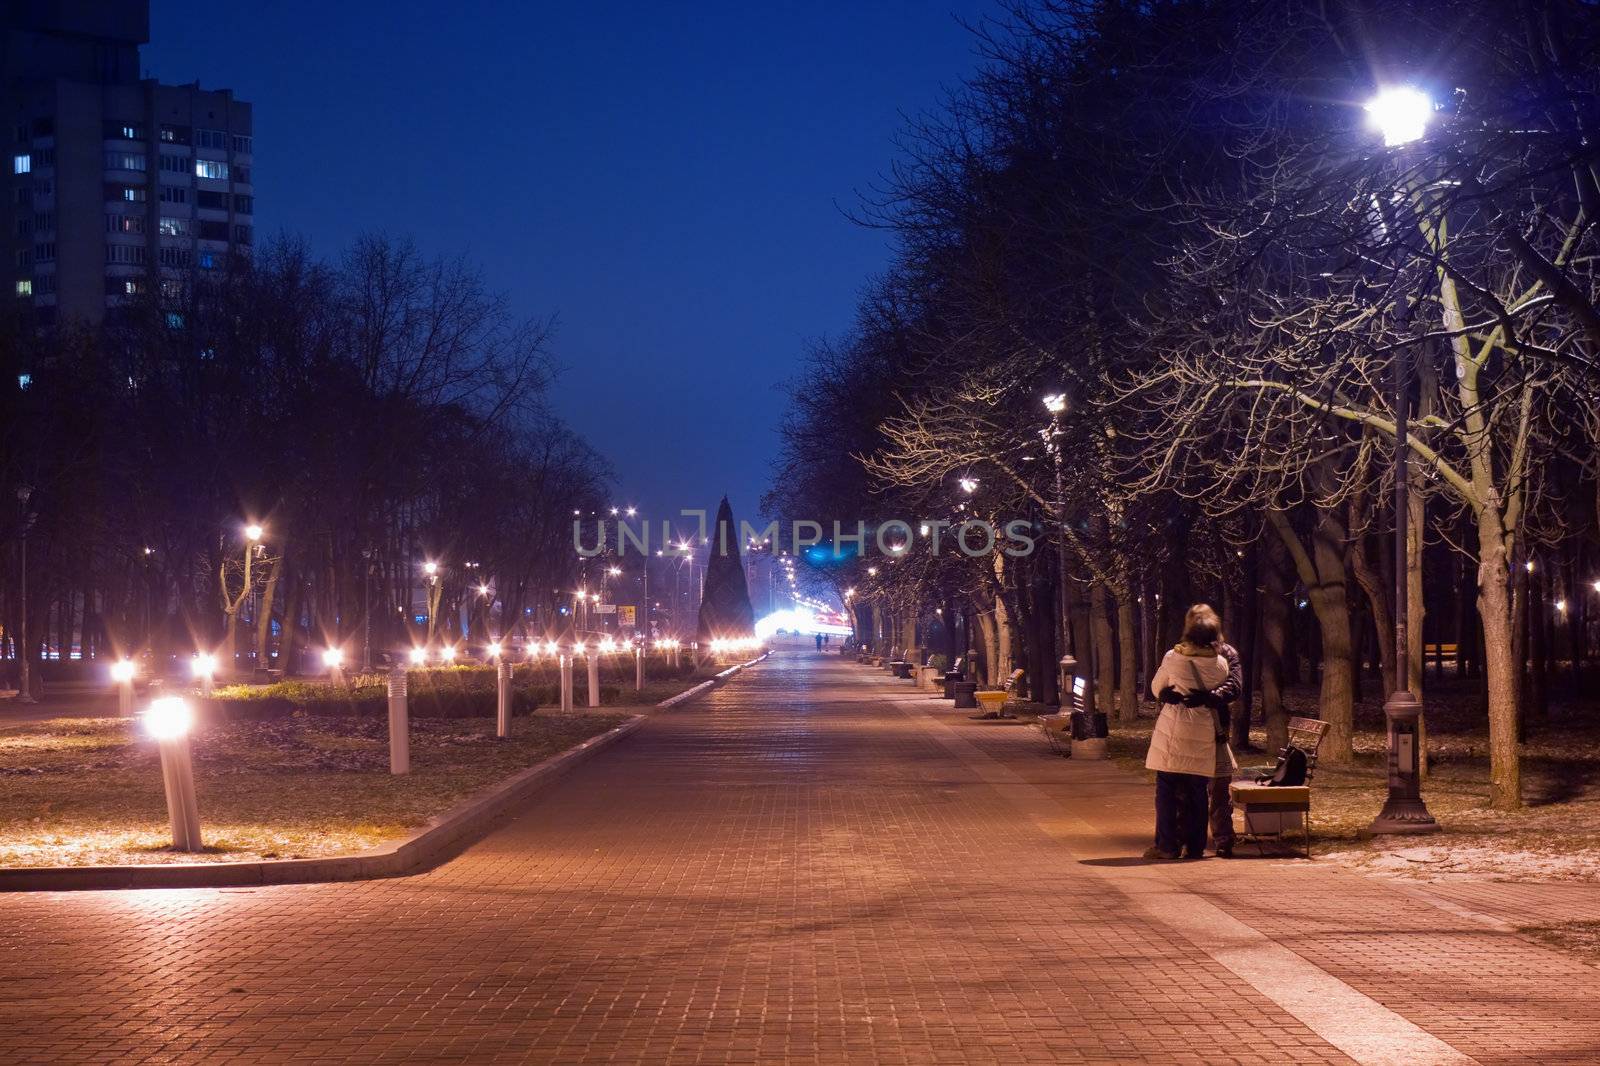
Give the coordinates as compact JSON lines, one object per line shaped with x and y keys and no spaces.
{"x":813,"y":864}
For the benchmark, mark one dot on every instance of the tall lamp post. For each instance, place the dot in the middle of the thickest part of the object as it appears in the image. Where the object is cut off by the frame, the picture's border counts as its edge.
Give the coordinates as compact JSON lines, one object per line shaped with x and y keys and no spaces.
{"x":1401,"y":115}
{"x":1084,"y":723}
{"x":24,"y":666}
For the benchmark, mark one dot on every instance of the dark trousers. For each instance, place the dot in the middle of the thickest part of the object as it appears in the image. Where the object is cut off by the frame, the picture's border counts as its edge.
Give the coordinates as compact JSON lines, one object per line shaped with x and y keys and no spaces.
{"x":1181,"y":802}
{"x":1221,"y":812}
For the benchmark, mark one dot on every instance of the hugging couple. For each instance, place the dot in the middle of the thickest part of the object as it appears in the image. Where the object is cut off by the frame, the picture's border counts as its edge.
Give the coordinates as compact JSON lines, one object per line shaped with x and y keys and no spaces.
{"x":1195,"y":683}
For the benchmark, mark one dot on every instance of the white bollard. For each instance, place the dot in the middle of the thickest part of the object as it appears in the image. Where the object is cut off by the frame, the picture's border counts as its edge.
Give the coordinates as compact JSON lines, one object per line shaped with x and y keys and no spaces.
{"x":399,"y":723}
{"x":594,"y":677}
{"x":125,"y":698}
{"x":169,"y":721}
{"x":183,"y":809}
{"x":566,"y":681}
{"x":502,"y":707}
{"x":638,"y":667}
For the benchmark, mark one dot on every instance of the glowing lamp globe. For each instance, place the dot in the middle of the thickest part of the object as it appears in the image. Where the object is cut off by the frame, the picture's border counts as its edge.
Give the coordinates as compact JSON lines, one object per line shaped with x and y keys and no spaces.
{"x":447,"y":653}
{"x":203,"y":665}
{"x":122,"y":671}
{"x":419,"y":655}
{"x":168,"y":718}
{"x":1401,"y":114}
{"x":332,"y":657}
{"x":494,"y":649}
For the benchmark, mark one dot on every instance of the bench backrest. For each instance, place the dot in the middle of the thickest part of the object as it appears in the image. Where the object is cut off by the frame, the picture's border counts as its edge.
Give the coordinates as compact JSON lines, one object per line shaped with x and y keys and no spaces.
{"x":1014,"y":680}
{"x":1306,"y":734}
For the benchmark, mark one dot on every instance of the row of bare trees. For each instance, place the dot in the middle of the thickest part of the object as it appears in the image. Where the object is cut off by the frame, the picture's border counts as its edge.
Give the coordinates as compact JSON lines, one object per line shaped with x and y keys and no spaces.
{"x":371,"y":415}
{"x":1178,"y":221}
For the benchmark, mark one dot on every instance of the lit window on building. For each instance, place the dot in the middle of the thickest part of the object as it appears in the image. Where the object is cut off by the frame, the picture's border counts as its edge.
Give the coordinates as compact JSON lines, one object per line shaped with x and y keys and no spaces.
{"x":25,"y":287}
{"x":174,"y":227}
{"x":211,"y":168}
{"x":24,"y":380}
{"x":22,"y":163}
{"x":125,"y":161}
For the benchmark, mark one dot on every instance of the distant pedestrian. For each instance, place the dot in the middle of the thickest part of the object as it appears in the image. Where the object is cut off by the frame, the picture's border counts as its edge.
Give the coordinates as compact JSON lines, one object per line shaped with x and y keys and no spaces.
{"x":1183,"y":746}
{"x":819,"y":641}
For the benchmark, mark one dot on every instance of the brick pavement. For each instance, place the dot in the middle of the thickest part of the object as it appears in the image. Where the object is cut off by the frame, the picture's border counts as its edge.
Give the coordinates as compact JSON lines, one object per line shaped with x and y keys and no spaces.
{"x":809,"y":865}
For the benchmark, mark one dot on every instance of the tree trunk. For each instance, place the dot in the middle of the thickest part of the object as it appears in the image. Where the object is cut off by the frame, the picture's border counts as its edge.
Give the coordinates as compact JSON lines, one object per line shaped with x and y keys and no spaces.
{"x":1105,"y":662}
{"x":1500,"y":675}
{"x":1274,"y":634}
{"x":1127,"y":661}
{"x":1322,"y":571}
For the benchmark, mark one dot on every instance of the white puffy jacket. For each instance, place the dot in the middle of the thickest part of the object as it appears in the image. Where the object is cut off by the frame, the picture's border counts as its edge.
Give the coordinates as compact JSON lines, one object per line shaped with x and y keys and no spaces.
{"x":1185,"y":738}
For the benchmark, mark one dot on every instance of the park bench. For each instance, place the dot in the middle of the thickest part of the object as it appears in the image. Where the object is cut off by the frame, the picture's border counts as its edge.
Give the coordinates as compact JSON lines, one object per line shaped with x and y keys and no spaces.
{"x":1273,"y":810}
{"x":1057,"y":728}
{"x":1006,"y":691}
{"x":953,"y":675}
{"x":1439,"y":653}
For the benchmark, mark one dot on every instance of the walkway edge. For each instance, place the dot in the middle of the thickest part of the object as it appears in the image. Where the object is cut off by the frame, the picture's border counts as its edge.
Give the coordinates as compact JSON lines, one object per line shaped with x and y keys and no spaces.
{"x":441,"y":839}
{"x":709,"y":684}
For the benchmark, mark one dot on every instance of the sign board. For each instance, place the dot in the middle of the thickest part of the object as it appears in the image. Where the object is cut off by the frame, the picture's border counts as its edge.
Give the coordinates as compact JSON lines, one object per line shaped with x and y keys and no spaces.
{"x":625,"y":615}
{"x":605,"y":608}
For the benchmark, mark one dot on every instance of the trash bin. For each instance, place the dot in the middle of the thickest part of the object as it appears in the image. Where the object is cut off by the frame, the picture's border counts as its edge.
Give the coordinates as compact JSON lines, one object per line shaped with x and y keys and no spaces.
{"x":966,"y":695}
{"x":951,"y":679}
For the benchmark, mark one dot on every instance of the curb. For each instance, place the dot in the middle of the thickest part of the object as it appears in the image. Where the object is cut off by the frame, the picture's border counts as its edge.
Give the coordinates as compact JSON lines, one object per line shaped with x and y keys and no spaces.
{"x":441,"y":839}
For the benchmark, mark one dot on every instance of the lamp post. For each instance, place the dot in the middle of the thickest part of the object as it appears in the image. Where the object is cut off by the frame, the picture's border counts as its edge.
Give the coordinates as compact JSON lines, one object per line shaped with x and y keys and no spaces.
{"x":252,"y":550}
{"x":333,"y":659}
{"x":122,"y":672}
{"x":24,"y":665}
{"x":1402,"y":115}
{"x":204,"y":668}
{"x":1087,"y":734}
{"x":366,"y":610}
{"x":502,"y":690}
{"x":169,"y":720}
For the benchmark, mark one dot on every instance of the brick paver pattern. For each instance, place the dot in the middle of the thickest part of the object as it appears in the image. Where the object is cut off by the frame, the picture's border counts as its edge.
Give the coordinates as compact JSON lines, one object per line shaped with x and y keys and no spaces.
{"x":796,"y":868}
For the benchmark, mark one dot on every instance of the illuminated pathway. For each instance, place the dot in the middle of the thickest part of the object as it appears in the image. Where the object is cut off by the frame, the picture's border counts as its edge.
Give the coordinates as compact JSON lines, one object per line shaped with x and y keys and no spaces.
{"x":811,"y":865}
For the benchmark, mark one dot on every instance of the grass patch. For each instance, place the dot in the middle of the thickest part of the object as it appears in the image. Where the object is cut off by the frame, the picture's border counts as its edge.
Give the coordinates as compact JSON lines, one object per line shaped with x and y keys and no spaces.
{"x":83,"y":791}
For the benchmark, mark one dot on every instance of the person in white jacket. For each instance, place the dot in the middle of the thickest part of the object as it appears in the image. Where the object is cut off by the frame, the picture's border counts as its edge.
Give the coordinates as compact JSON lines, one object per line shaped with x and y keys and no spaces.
{"x":1183,"y":747}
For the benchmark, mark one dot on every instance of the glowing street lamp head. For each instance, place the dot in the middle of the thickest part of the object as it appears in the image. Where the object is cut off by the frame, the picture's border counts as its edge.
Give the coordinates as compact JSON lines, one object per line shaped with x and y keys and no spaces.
{"x":968,"y":484}
{"x":551,"y":647}
{"x":448,"y":653}
{"x":615,"y":571}
{"x":253,"y":532}
{"x":608,"y":644}
{"x":1401,"y":114}
{"x":483,"y":590}
{"x":630,"y":512}
{"x":872,"y":571}
{"x":430,"y":568}
{"x":419,"y":655}
{"x":204,"y":664}
{"x":1056,"y":402}
{"x":168,"y":718}
{"x":333,"y":657}
{"x":122,"y":671}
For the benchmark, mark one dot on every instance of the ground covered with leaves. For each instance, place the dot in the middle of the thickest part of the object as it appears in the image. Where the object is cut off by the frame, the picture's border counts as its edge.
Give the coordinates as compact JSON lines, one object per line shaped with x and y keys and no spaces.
{"x":1555,"y":837}
{"x":84,"y":791}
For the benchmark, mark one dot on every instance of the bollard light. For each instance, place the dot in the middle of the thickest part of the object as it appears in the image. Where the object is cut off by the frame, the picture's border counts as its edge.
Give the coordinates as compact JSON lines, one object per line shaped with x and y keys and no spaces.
{"x":448,"y":653}
{"x":122,"y":672}
{"x":399,"y":723}
{"x":494,"y":649}
{"x":204,"y":668}
{"x":169,"y":721}
{"x":333,"y":659}
{"x":419,"y":656}
{"x":502,"y":711}
{"x":593,"y":663}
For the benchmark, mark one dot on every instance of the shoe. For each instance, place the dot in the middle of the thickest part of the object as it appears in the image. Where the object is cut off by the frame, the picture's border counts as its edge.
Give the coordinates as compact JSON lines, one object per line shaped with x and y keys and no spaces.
{"x":1225,"y":851}
{"x":1158,"y":855}
{"x":1193,"y":856}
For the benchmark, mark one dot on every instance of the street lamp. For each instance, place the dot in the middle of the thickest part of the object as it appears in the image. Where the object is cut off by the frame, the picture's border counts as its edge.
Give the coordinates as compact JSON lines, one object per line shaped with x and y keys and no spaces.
{"x":1086,"y":724}
{"x":1401,"y":115}
{"x":253,"y":532}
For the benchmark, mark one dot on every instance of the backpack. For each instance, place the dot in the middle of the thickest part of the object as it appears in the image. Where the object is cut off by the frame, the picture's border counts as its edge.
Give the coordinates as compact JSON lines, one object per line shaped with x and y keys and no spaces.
{"x":1290,"y":770}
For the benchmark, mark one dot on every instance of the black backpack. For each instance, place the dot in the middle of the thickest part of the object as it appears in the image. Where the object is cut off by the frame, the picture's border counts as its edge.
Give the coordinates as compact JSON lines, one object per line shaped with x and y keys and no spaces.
{"x":1291,"y":769}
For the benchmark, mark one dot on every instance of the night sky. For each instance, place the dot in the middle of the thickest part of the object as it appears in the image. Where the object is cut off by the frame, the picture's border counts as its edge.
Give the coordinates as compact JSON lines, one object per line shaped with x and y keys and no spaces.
{"x":668,"y":179}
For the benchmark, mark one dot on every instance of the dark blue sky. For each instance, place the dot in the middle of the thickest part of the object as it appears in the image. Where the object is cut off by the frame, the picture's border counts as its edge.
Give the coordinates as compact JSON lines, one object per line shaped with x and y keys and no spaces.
{"x":666,"y":178}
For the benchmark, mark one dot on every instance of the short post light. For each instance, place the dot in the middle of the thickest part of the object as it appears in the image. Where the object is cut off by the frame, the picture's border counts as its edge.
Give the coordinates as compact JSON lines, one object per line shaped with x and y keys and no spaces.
{"x":638,"y":666}
{"x":419,"y":656}
{"x":333,"y":659}
{"x":593,"y":662}
{"x":502,"y":691}
{"x":122,"y":672}
{"x":399,"y":722}
{"x":565,"y":660}
{"x":169,"y":720}
{"x":204,"y":668}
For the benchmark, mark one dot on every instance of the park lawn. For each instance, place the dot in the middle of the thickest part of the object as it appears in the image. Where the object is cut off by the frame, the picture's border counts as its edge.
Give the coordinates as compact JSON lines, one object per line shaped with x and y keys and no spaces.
{"x":86,"y":791}
{"x":1555,"y":837}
